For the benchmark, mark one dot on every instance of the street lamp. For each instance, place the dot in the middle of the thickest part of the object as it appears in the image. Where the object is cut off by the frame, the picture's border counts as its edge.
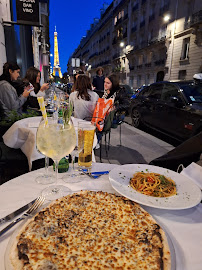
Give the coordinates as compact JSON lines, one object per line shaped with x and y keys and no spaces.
{"x":122,"y":44}
{"x":166,"y":18}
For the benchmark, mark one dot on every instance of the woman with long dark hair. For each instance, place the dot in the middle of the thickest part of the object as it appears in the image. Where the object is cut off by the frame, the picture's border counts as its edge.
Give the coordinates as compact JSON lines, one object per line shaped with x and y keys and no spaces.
{"x":84,"y":99}
{"x":113,"y":90}
{"x":8,"y":94}
{"x":33,"y":75}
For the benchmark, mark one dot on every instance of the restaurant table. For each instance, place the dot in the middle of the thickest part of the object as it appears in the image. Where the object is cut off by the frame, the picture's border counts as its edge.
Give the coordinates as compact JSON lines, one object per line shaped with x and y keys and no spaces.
{"x":183,"y":227}
{"x":22,"y":134}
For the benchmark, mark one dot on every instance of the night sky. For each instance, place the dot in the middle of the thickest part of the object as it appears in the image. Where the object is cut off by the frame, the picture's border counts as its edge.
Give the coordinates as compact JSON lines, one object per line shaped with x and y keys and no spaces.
{"x":72,"y":19}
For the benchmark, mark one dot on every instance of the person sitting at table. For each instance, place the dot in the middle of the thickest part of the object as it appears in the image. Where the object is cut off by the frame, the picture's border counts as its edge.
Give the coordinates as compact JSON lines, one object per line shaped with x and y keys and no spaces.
{"x":83,"y":99}
{"x":33,"y":76}
{"x":76,"y":75}
{"x":8,"y":94}
{"x":114,"y":91}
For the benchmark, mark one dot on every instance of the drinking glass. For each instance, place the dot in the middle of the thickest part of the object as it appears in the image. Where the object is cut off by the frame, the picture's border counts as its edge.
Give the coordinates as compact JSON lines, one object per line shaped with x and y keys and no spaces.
{"x":87,"y":131}
{"x":46,"y":178}
{"x":56,"y":140}
{"x":74,"y":174}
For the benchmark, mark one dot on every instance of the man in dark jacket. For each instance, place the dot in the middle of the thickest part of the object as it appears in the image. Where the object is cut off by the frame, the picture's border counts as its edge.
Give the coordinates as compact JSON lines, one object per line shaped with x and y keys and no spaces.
{"x":98,"y":81}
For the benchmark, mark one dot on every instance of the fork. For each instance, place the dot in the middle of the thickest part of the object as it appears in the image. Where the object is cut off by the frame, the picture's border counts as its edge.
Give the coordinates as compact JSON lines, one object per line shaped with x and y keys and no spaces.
{"x":29,"y":213}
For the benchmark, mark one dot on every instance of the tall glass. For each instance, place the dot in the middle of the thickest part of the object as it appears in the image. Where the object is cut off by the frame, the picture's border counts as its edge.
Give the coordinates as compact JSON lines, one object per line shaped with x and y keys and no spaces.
{"x":74,"y":174}
{"x":87,"y":132}
{"x":56,"y":140}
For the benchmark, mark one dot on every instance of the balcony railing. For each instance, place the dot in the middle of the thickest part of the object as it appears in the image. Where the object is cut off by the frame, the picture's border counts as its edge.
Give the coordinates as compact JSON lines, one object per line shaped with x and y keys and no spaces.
{"x":148,"y":65}
{"x":139,"y":66}
{"x":160,"y":62}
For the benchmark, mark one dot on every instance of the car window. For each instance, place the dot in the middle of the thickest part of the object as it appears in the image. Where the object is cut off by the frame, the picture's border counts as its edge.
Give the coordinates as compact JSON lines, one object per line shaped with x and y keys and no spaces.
{"x":193,"y":92}
{"x":144,"y":92}
{"x":170,"y":90}
{"x":155,"y":91}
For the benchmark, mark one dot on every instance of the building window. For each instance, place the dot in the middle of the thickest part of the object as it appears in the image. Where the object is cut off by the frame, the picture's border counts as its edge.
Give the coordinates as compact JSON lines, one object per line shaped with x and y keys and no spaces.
{"x":185,"y":49}
{"x":139,"y":78}
{"x":182,"y":74}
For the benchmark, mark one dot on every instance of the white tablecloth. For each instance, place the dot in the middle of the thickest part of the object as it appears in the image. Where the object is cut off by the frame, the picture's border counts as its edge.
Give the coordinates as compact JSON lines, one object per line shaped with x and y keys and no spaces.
{"x":184,"y":227}
{"x":22,"y":134}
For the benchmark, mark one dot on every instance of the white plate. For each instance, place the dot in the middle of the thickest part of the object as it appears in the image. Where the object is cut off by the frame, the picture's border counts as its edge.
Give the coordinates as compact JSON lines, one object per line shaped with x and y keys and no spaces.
{"x":188,"y":194}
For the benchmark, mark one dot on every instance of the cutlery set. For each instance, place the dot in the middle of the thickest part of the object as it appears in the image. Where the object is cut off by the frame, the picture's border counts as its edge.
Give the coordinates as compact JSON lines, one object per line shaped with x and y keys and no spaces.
{"x":29,"y":213}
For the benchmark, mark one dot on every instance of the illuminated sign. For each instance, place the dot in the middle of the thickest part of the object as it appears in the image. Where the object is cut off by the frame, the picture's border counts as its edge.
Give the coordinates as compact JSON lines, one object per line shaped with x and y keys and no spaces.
{"x":27,"y":11}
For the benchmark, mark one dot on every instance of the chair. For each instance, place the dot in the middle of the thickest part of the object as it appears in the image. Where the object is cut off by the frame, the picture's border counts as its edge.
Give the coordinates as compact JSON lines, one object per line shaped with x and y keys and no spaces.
{"x":108,"y":122}
{"x":186,"y":153}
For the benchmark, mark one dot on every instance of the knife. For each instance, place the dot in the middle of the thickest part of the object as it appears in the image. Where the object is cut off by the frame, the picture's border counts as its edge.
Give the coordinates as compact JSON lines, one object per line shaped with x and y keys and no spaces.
{"x":94,"y":174}
{"x":16,"y":213}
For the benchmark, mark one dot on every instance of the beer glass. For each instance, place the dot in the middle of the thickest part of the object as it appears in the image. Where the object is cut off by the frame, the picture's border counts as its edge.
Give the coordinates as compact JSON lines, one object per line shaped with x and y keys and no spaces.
{"x":87,"y":132}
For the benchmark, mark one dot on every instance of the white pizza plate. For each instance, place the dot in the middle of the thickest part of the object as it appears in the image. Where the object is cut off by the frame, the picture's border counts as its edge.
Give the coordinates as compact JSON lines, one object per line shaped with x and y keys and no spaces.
{"x":9,"y":266}
{"x":188,"y":194}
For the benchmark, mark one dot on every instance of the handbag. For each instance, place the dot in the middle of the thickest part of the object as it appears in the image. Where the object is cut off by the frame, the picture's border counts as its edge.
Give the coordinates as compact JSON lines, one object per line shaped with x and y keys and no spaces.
{"x":102,"y":109}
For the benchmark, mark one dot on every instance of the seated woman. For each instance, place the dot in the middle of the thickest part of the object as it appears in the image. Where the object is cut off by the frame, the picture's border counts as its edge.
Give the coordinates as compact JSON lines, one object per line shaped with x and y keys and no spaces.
{"x":33,"y":76}
{"x":84,"y":99}
{"x":8,"y":94}
{"x":76,"y":75}
{"x":113,"y":90}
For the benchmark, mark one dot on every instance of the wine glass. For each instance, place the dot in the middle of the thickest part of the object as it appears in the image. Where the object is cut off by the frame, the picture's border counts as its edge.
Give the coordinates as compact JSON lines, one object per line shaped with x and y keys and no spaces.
{"x":56,"y":140}
{"x":75,"y":175}
{"x":46,"y":178}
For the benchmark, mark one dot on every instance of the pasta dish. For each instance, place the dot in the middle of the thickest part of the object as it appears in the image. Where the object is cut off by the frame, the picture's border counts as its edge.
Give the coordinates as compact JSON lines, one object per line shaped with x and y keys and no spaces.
{"x":153,"y":184}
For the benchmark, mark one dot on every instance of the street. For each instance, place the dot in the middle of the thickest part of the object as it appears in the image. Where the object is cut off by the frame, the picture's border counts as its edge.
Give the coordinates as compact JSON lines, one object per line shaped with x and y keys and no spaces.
{"x":136,"y":146}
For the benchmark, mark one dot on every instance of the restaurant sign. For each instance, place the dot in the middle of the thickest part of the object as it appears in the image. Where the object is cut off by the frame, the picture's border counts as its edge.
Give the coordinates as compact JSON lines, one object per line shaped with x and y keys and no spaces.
{"x":27,"y":11}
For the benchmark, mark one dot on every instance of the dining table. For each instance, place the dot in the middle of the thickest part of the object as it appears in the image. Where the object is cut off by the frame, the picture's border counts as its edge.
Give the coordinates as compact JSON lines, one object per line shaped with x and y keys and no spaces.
{"x":22,"y":135}
{"x":182,"y":227}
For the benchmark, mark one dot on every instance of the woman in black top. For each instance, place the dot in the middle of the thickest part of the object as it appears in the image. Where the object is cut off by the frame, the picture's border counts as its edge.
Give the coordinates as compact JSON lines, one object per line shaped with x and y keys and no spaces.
{"x":113,"y":90}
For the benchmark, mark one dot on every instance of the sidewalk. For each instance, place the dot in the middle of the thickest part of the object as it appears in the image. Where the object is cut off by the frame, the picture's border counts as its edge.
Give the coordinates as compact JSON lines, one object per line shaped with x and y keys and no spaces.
{"x":136,"y":147}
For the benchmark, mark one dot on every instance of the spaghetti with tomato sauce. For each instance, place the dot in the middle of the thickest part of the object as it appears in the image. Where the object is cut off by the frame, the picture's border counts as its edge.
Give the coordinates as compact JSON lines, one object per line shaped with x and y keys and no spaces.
{"x":153,"y":184}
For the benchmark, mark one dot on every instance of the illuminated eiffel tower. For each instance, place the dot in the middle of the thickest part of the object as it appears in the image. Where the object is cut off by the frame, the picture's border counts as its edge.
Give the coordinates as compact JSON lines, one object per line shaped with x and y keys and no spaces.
{"x":56,"y":67}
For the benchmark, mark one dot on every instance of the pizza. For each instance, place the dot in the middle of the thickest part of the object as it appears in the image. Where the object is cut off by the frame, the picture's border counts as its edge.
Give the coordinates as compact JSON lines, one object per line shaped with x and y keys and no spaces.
{"x":91,"y":230}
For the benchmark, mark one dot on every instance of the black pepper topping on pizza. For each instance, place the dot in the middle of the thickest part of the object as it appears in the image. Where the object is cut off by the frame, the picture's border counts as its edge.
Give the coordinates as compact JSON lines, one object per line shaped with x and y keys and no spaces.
{"x":91,"y":230}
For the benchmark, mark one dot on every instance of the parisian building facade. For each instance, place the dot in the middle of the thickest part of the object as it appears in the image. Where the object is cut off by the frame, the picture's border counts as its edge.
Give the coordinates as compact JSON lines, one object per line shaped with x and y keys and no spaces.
{"x":145,"y":41}
{"x":25,"y":44}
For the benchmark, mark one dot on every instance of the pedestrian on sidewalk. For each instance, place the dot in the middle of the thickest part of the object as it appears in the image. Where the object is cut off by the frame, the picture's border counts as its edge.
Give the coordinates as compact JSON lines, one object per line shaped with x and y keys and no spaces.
{"x":98,"y":80}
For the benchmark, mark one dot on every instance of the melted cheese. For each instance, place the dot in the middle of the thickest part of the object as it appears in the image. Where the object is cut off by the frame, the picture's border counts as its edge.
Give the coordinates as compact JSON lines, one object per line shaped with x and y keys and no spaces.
{"x":92,"y":231}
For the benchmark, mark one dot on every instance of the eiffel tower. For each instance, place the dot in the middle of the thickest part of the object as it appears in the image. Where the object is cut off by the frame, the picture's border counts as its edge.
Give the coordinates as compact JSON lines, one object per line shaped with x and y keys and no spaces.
{"x":56,"y":67}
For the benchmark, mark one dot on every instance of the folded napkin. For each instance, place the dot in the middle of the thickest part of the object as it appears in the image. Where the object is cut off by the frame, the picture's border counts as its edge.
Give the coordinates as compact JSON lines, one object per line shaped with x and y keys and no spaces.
{"x":194,"y":172}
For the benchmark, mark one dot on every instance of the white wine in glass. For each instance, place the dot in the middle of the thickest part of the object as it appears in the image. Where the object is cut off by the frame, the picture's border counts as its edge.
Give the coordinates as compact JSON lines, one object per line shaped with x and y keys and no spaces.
{"x":56,"y":140}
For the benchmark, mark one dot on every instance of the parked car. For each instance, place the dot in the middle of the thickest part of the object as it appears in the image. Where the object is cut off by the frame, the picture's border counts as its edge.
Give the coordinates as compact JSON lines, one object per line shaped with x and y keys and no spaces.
{"x":137,"y":91}
{"x":173,"y":108}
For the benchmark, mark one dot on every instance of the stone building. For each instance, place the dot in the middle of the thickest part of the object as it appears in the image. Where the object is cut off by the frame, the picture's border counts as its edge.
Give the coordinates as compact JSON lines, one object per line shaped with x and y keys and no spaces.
{"x":145,"y":41}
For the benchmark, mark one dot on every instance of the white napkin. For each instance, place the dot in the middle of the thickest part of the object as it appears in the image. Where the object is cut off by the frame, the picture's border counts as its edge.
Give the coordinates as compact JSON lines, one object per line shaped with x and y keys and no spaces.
{"x":194,"y":172}
{"x":33,"y":124}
